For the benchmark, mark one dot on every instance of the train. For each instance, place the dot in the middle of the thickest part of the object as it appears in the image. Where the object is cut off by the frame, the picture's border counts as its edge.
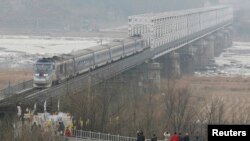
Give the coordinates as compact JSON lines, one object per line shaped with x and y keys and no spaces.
{"x":54,"y":70}
{"x":145,"y":31}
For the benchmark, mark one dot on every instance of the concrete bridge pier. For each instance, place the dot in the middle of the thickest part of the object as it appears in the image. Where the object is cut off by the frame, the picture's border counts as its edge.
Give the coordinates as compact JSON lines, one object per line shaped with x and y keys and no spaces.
{"x":230,"y":36}
{"x":204,"y":52}
{"x":187,"y":60}
{"x":209,"y":50}
{"x":223,"y":40}
{"x":201,"y":55}
{"x":219,"y":44}
{"x":149,"y":77}
{"x":170,"y":65}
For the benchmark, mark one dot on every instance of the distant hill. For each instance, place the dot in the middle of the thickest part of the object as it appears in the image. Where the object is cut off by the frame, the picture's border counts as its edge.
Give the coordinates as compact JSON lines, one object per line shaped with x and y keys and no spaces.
{"x":77,"y":15}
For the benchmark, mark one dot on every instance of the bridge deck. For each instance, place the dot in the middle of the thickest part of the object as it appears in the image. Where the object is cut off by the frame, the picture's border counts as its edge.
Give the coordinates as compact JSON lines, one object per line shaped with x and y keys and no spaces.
{"x":96,"y":76}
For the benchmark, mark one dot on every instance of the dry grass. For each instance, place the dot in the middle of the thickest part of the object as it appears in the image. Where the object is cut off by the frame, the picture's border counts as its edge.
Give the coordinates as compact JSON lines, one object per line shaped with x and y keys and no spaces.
{"x":13,"y":76}
{"x":234,"y":92}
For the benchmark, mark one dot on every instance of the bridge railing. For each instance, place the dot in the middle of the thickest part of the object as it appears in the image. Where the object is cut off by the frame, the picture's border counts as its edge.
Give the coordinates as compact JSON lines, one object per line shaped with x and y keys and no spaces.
{"x":16,"y":88}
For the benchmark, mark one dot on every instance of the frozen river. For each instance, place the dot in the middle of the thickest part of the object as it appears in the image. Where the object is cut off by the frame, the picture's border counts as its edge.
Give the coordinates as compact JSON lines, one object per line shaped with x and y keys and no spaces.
{"x":23,"y":51}
{"x":234,"y":61}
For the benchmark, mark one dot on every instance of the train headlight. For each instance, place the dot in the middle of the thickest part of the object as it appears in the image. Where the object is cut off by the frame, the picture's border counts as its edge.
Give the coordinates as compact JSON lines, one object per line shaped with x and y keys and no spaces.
{"x":36,"y":74}
{"x":45,"y":75}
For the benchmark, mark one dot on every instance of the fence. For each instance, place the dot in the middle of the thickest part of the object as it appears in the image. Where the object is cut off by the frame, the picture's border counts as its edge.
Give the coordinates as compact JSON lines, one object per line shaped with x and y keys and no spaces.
{"x":81,"y":135}
{"x":89,"y":135}
{"x":100,"y":136}
{"x":16,"y":88}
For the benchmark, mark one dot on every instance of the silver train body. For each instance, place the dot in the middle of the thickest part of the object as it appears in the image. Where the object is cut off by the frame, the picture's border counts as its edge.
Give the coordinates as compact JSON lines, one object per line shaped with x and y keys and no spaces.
{"x":49,"y":71}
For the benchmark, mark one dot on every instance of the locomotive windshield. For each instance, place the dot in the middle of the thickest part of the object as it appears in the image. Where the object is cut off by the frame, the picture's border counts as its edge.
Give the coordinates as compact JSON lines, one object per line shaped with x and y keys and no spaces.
{"x":43,"y":68}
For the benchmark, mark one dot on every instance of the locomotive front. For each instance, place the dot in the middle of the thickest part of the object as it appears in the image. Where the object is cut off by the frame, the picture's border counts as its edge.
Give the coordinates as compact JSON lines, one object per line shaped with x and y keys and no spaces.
{"x":42,"y":73}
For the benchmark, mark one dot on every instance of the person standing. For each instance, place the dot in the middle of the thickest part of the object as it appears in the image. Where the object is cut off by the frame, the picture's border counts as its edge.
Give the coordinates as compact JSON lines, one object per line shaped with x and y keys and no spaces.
{"x":180,"y":137}
{"x":186,"y":137}
{"x":61,"y":128}
{"x":67,"y":132}
{"x":174,"y":137}
{"x":140,"y":136}
{"x":34,"y":127}
{"x":138,"y":133}
{"x":167,"y":136}
{"x":154,"y":138}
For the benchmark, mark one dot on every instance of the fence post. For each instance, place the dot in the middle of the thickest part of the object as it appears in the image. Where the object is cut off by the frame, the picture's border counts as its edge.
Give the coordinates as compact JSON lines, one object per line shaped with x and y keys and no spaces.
{"x":82,"y":134}
{"x":90,"y":135}
{"x":118,"y":137}
{"x":99,"y":134}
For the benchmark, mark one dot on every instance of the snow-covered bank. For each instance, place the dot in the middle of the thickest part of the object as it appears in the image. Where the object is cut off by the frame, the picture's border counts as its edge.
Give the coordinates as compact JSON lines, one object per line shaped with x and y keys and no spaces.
{"x":22,"y":51}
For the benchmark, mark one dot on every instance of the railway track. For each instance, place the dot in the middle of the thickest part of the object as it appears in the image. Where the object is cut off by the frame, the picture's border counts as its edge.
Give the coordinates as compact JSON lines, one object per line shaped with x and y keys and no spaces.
{"x":78,"y":84}
{"x":17,"y":97}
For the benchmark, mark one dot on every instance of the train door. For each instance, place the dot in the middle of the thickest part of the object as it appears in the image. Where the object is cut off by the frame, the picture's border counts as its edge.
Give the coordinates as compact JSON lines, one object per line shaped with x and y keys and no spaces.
{"x":69,"y":68}
{"x":61,"y":70}
{"x":93,"y":58}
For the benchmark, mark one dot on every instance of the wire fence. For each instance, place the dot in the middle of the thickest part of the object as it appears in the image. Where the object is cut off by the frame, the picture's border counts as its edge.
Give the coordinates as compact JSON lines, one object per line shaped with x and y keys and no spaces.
{"x":10,"y":90}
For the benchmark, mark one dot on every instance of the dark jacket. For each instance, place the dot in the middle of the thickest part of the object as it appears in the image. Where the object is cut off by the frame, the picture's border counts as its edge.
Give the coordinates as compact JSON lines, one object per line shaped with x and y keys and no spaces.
{"x":186,"y":138}
{"x":181,"y":138}
{"x":140,"y":137}
{"x":154,"y":138}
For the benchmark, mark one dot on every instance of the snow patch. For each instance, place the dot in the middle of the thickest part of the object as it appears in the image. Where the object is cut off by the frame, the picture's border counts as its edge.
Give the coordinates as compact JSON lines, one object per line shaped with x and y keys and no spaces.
{"x":16,"y":51}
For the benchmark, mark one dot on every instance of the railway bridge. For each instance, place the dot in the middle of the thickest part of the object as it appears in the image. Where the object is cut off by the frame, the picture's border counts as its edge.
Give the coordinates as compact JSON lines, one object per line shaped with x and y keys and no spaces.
{"x":188,"y":37}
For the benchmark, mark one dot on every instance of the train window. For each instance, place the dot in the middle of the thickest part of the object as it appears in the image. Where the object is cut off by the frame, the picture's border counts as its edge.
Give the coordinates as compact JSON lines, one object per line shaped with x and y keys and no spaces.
{"x":129,"y":46}
{"x":101,"y":54}
{"x":116,"y":50}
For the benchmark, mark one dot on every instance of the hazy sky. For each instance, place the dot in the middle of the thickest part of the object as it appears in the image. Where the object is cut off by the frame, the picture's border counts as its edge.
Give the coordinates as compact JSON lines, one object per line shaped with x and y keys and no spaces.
{"x":75,"y":15}
{"x":79,"y":13}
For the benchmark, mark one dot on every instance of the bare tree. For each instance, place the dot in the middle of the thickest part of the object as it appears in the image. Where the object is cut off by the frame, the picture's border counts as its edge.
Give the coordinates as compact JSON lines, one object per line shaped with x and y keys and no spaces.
{"x":179,"y":111}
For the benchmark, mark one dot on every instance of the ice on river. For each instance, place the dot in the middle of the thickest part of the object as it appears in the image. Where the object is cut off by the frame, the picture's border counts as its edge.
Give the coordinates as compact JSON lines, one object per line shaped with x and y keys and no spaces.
{"x":234,"y":61}
{"x":16,"y":51}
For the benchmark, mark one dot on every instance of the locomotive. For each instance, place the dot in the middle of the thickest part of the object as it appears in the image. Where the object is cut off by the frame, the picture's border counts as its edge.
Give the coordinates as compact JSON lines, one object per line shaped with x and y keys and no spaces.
{"x":54,"y":70}
{"x":146,"y":30}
